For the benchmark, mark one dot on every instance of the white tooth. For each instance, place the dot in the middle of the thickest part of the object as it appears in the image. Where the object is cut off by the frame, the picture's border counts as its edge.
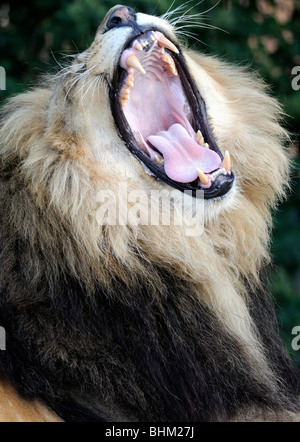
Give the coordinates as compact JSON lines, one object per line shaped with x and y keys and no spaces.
{"x":199,"y":138}
{"x":164,"y":42}
{"x":138,"y":46}
{"x":129,"y":82}
{"x":227,"y":161}
{"x":159,"y":160}
{"x":202,"y":177}
{"x":133,"y":62}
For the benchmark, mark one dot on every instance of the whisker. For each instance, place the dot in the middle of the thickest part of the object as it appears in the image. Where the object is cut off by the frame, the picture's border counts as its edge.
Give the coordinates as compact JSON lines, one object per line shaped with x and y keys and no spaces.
{"x":183,"y":16}
{"x":179,"y":8}
{"x":182,"y":19}
{"x":99,"y":78}
{"x":78,"y":77}
{"x":86,"y":92}
{"x":191,"y":35}
{"x":203,"y":26}
{"x":52,"y":53}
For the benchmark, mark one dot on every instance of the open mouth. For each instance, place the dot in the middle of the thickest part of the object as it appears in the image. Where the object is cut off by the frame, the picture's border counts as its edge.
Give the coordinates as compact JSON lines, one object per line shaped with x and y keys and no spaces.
{"x":162,"y":118}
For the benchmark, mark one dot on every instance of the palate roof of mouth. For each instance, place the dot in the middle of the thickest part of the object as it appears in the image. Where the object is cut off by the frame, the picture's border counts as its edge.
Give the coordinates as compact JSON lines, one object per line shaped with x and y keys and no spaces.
{"x":159,"y":114}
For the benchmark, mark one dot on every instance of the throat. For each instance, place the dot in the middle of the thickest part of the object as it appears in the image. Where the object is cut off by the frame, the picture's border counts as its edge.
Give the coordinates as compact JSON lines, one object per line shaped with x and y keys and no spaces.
{"x":161,"y":120}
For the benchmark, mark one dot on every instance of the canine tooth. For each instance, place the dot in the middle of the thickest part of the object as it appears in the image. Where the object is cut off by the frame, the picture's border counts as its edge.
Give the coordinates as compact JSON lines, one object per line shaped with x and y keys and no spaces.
{"x":164,"y":42}
{"x":159,"y":160}
{"x":227,"y":161}
{"x":206,"y":145}
{"x":133,"y":62}
{"x":202,"y":177}
{"x":138,"y":46}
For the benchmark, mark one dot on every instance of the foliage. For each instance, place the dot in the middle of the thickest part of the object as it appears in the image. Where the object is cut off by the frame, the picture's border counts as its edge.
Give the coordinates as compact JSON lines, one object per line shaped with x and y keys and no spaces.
{"x":38,"y":35}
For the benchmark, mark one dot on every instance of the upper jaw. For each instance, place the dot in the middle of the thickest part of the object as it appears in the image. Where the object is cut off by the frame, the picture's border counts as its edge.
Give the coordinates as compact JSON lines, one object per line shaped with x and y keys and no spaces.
{"x":139,"y":52}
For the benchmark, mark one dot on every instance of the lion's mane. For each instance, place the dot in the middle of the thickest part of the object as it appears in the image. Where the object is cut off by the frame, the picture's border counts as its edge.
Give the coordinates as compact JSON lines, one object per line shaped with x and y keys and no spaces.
{"x":133,"y":321}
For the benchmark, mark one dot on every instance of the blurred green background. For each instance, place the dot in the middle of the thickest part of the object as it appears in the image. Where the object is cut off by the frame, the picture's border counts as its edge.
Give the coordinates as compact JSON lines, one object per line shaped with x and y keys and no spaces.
{"x":37,"y":35}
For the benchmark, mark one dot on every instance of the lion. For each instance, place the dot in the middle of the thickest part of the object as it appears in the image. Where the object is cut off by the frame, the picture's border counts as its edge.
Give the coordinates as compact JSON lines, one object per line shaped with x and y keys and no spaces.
{"x":126,"y":319}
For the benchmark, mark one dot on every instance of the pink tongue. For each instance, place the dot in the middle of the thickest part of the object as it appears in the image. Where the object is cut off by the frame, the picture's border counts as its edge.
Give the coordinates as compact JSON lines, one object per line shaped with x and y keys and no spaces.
{"x":183,"y":155}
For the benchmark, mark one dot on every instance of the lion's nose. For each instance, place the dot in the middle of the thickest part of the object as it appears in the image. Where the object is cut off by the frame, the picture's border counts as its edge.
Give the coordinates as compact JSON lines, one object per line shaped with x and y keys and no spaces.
{"x":121,"y":16}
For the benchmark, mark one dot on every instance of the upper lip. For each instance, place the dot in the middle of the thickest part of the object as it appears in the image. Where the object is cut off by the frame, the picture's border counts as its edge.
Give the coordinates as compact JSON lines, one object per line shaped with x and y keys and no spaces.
{"x":222,"y":182}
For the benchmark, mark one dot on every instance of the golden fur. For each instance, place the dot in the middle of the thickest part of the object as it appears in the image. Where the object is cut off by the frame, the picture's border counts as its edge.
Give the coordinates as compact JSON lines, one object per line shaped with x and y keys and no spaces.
{"x":60,"y":156}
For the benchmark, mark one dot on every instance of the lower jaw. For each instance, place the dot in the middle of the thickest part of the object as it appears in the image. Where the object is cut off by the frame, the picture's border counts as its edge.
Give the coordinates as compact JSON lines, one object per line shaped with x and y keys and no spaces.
{"x":219,"y":187}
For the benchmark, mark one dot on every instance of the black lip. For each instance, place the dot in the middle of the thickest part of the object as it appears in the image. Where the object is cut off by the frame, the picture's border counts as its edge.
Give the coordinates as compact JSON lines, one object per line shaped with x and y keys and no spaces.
{"x":222,"y":184}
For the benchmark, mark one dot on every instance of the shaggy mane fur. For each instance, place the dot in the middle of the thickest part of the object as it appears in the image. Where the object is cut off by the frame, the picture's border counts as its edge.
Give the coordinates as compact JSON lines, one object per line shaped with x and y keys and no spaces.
{"x":139,"y":322}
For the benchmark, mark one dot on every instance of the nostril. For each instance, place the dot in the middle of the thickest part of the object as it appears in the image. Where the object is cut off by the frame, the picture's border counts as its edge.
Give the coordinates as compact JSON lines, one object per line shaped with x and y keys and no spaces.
{"x":122,"y":16}
{"x":114,"y":22}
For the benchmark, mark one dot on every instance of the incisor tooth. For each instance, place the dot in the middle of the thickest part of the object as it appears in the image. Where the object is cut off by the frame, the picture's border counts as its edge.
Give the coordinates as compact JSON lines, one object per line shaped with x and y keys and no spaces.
{"x":227,"y":161}
{"x":138,"y":46}
{"x":163,"y":42}
{"x":202,"y":177}
{"x":133,"y":62}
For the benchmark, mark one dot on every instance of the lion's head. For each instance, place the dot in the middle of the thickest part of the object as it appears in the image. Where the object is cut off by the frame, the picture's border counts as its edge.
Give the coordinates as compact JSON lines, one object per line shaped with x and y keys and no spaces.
{"x":129,"y":317}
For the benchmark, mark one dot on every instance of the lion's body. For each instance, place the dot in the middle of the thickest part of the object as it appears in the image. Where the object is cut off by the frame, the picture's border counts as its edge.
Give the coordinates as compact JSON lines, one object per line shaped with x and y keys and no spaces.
{"x":132,"y":322}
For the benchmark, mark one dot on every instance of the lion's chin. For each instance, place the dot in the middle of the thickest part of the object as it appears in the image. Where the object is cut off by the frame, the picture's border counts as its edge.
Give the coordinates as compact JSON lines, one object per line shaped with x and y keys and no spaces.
{"x":162,"y":118}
